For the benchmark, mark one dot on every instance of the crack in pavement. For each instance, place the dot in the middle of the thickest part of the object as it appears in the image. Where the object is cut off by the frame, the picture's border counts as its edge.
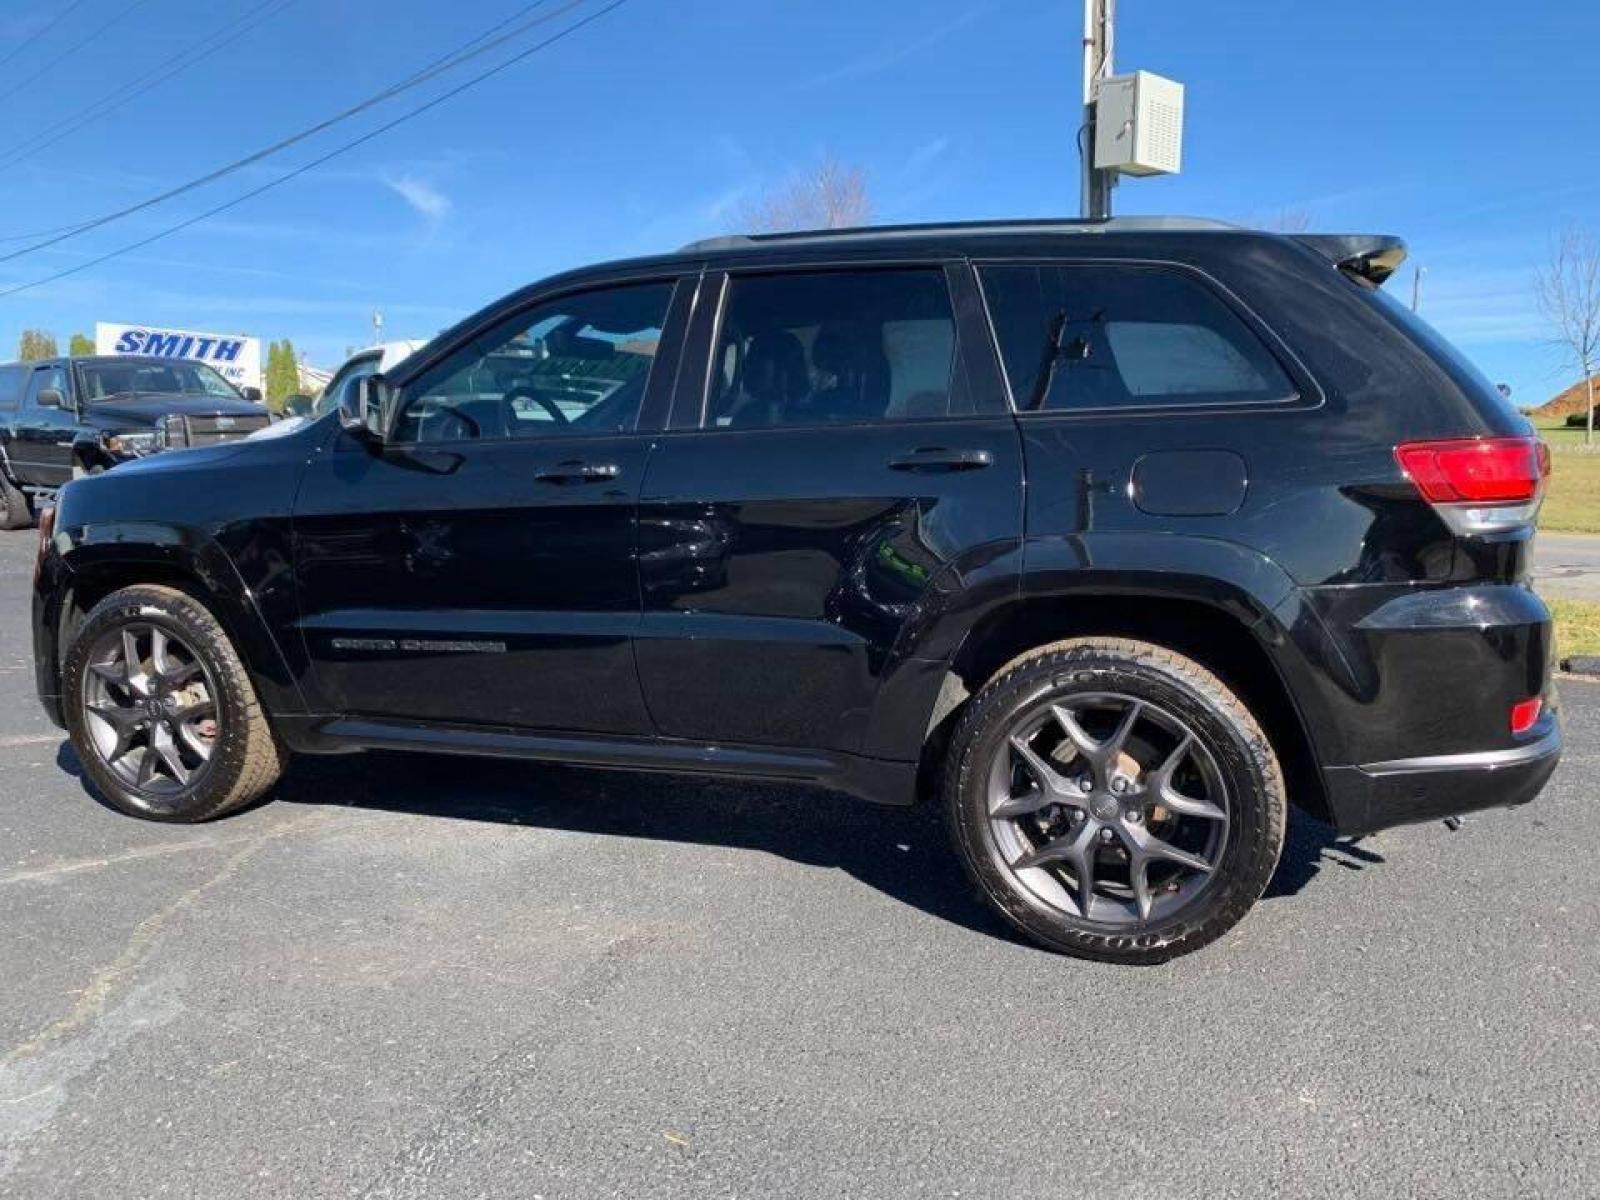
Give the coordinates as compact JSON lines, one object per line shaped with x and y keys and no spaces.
{"x":73,"y":866}
{"x":92,"y":1000}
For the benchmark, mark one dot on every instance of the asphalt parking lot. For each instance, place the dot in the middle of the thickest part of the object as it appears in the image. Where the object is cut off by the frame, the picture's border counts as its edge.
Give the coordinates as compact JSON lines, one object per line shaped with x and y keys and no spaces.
{"x":413,"y":977}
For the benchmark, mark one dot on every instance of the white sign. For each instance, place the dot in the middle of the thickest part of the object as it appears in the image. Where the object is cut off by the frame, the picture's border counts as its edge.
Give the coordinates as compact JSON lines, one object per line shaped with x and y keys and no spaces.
{"x":236,"y":357}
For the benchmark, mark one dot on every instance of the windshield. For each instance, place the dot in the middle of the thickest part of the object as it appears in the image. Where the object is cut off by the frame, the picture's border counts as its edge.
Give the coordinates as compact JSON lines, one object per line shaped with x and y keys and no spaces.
{"x":176,"y":376}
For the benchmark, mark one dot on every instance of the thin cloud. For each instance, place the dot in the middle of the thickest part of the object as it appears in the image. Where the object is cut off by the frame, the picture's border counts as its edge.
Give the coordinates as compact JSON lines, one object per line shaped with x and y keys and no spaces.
{"x":882,"y":60}
{"x":425,"y":199}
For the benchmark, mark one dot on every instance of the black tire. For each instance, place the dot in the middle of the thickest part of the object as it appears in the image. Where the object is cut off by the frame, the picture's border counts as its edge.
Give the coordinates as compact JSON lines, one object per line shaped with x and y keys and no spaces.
{"x":1163,"y":681}
{"x":245,"y":759}
{"x":15,"y":511}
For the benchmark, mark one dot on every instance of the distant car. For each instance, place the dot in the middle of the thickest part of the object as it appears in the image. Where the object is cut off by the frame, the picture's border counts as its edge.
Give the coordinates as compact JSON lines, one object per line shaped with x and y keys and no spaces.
{"x":383,"y":357}
{"x":66,"y":417}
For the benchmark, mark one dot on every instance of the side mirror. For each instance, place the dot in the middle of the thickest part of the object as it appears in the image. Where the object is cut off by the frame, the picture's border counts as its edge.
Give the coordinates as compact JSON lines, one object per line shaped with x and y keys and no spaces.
{"x":252,"y":394}
{"x":51,"y":398}
{"x":363,"y":407}
{"x":297,"y":405}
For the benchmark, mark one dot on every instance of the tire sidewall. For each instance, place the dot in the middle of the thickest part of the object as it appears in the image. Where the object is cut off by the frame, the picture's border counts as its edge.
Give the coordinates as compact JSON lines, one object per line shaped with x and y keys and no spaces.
{"x":15,"y":511}
{"x":1255,"y":825}
{"x":199,"y":799}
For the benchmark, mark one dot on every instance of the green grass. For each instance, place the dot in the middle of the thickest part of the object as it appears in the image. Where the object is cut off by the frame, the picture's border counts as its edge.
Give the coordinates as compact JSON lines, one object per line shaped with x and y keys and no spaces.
{"x":1572,"y":501}
{"x":1563,"y":437}
{"x":1577,"y":625}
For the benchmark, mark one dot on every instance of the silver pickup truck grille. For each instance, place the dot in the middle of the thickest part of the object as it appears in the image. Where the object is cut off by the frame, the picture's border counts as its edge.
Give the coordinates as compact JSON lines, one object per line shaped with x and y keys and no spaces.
{"x":206,"y":430}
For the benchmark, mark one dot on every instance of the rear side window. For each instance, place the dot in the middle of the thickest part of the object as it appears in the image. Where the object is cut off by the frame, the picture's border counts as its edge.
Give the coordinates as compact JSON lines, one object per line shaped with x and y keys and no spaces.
{"x":10,"y":387}
{"x":836,"y":348}
{"x":1099,"y":337}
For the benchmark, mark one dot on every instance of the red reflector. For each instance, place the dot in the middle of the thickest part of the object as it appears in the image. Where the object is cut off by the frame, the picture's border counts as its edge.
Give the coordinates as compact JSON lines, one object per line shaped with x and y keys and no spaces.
{"x":1476,"y":470}
{"x":1525,"y":714}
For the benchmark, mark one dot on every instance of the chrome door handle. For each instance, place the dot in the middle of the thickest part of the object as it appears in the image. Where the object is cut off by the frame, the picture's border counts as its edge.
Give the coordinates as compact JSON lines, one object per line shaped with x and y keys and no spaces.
{"x":937,"y":458}
{"x":573,"y":471}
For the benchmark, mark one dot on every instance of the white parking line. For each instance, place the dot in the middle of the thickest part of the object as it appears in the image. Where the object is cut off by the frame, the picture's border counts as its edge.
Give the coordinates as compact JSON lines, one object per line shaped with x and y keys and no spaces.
{"x":30,"y":739}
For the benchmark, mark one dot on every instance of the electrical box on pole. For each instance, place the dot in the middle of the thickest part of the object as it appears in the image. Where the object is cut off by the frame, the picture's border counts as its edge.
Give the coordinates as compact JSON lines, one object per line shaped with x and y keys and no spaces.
{"x":1138,"y":125}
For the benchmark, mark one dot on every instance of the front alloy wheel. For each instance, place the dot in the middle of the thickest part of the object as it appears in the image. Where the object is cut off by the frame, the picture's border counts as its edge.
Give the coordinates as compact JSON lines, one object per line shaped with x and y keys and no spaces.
{"x":150,"y":709}
{"x":1113,"y":799}
{"x":163,"y":715}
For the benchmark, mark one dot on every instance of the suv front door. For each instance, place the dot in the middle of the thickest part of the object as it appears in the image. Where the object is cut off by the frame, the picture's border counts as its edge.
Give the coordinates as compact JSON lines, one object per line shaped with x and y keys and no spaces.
{"x":842,"y":464}
{"x":41,"y":452}
{"x":479,"y":566}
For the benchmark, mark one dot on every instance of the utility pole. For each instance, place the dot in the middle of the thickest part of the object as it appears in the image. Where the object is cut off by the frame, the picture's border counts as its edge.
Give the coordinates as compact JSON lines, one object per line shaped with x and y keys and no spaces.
{"x":1416,"y":287}
{"x":1099,"y":20}
{"x":377,"y":327}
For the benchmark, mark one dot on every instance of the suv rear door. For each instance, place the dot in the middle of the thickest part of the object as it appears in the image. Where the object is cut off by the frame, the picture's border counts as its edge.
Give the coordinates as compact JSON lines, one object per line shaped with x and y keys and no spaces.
{"x":842,"y":463}
{"x":479,"y":566}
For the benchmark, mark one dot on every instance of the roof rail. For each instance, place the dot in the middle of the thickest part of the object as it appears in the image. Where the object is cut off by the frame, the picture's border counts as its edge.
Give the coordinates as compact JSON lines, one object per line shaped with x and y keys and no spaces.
{"x":745,"y":241}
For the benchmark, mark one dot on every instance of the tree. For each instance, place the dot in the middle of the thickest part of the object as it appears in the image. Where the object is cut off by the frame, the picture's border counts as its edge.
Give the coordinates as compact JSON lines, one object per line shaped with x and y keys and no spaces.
{"x":282,"y":374}
{"x":36,"y":344}
{"x":833,"y":195}
{"x":81,"y":343}
{"x":1568,"y":292}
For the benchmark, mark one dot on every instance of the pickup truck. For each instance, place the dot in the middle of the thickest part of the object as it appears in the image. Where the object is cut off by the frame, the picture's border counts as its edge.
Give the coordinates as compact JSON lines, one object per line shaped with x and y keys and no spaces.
{"x":66,"y":417}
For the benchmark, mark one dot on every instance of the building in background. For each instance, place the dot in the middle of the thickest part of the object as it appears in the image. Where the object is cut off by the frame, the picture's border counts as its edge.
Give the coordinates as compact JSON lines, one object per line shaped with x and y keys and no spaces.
{"x":234,"y":355}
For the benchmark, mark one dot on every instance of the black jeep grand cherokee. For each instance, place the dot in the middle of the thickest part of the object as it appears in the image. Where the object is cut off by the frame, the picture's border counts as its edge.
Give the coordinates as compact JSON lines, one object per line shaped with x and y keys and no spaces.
{"x":1118,"y":535}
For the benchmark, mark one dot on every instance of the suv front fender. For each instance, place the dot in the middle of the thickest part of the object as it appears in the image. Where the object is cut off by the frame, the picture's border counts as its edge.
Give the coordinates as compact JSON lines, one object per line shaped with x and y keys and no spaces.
{"x":86,"y":560}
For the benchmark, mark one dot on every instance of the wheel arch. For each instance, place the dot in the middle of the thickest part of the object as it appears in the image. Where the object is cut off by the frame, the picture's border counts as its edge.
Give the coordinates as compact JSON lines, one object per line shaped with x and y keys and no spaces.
{"x":1225,"y":630}
{"x":100,"y":560}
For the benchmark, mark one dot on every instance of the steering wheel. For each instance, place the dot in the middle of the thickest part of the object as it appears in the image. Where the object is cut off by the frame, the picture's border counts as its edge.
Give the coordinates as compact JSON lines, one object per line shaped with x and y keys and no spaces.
{"x":471,"y":427}
{"x":543,"y":401}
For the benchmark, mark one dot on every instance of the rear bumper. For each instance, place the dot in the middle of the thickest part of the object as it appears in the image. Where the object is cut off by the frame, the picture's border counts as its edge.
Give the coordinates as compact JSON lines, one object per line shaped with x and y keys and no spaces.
{"x":1407,"y":790}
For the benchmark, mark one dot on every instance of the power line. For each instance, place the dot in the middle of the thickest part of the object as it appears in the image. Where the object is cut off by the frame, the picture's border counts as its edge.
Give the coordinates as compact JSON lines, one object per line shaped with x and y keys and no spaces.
{"x":39,"y":33}
{"x":470,"y":50}
{"x":55,"y":59}
{"x":317,"y":162}
{"x":190,"y":56}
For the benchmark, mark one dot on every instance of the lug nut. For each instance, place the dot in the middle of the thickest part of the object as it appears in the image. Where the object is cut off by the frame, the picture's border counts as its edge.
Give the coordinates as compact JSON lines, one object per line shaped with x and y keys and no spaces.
{"x":1085,"y":786}
{"x":1107,"y":836}
{"x":1119,"y":784}
{"x":1133,"y":816}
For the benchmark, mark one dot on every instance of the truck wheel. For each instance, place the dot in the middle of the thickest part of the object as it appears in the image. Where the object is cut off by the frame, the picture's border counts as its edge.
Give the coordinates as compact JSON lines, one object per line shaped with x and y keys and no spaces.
{"x":1114,"y":800}
{"x":15,"y":511}
{"x":161,"y":711}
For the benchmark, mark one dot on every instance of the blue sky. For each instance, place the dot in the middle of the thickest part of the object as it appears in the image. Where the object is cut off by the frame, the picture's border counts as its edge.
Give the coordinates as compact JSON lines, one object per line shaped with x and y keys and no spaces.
{"x":1464,"y":130}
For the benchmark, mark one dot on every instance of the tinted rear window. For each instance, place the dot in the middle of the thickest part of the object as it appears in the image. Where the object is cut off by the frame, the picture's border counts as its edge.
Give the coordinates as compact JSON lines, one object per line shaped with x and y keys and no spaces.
{"x":1096,"y":337}
{"x":837,"y":347}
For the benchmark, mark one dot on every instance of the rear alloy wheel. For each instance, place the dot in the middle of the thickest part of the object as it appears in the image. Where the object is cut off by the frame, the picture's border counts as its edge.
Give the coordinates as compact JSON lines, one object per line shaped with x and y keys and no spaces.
{"x":161,"y":711}
{"x":1115,"y":800}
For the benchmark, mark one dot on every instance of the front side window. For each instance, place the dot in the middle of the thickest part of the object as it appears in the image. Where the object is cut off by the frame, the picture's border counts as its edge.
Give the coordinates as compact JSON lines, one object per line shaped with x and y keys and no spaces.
{"x":1097,"y":337}
{"x":577,"y":365}
{"x":174,"y":377}
{"x":44,"y":378}
{"x":836,"y":347}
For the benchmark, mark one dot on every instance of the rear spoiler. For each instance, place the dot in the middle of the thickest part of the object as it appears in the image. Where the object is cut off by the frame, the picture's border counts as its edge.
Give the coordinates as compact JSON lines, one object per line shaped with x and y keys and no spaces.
{"x":1369,"y":257}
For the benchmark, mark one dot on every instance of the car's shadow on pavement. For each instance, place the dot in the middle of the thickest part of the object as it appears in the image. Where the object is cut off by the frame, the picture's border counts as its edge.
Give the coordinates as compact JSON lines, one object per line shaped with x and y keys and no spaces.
{"x":902,"y":852}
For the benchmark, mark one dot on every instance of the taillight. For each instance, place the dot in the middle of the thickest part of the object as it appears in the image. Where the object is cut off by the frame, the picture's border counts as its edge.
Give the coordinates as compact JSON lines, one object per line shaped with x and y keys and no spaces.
{"x":1479,"y":485}
{"x":1525,"y":714}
